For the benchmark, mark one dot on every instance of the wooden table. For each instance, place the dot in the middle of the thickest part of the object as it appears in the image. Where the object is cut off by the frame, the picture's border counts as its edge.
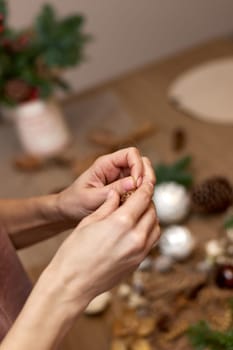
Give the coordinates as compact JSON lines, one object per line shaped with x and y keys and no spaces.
{"x":144,"y":96}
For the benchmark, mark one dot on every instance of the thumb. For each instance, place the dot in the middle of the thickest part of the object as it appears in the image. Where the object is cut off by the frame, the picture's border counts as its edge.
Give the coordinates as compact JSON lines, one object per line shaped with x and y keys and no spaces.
{"x":108,"y":207}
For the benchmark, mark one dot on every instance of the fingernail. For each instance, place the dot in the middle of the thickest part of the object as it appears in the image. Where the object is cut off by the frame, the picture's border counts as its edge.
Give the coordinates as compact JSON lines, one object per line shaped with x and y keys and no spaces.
{"x":150,"y":185}
{"x":129,"y":184}
{"x":139,"y":181}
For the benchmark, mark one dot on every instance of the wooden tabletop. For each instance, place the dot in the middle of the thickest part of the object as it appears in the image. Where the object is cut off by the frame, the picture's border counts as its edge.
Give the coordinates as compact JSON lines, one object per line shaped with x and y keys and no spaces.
{"x":144,"y":96}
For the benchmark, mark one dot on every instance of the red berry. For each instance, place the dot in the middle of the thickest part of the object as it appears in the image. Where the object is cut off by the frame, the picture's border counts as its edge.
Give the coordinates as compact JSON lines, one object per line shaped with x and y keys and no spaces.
{"x":224,"y":276}
{"x":34,"y":94}
{"x":2,"y":28}
{"x":6,"y":43}
{"x":23,"y":40}
{"x":1,"y":17}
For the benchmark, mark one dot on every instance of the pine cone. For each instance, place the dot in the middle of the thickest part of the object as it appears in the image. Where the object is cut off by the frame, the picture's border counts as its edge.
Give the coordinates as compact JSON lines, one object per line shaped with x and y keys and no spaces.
{"x":213,"y":195}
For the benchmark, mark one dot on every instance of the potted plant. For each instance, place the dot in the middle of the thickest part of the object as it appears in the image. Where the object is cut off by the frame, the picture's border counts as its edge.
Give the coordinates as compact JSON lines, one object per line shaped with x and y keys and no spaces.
{"x":31,"y":64}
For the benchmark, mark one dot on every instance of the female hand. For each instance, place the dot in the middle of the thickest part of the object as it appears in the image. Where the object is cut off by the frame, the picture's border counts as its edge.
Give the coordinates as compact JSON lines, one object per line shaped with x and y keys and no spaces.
{"x":103,"y":249}
{"x":122,"y":171}
{"x":106,"y":246}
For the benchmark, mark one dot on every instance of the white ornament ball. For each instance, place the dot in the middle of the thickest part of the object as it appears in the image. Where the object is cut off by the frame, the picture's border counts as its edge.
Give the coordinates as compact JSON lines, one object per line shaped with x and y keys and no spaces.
{"x":177,"y":242}
{"x":98,"y":304}
{"x":172,"y":202}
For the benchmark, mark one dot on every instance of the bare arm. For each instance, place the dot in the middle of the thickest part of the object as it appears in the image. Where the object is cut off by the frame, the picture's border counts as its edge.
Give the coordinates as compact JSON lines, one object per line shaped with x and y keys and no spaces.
{"x":69,"y":284}
{"x":45,"y":318}
{"x":28,"y":221}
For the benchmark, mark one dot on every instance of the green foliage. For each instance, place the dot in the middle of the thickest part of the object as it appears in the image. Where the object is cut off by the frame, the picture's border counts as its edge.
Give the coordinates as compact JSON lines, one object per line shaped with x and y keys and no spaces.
{"x":38,"y":56}
{"x":3,"y":8}
{"x":203,"y":337}
{"x":60,"y":41}
{"x":228,"y":224}
{"x":177,"y":172}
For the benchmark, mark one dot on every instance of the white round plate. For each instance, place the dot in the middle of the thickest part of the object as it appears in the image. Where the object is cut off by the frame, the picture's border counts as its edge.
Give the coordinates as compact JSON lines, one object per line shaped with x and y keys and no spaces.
{"x":206,"y":91}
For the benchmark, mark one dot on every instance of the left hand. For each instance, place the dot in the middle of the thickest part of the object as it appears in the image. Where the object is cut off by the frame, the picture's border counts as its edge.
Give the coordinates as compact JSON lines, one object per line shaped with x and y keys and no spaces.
{"x":122,"y":171}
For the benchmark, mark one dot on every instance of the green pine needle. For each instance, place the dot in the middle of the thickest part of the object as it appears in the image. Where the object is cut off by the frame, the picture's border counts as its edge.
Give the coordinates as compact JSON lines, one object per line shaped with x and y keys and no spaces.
{"x":228,"y":224}
{"x":3,"y":9}
{"x":177,"y":172}
{"x":203,"y":337}
{"x":52,"y":45}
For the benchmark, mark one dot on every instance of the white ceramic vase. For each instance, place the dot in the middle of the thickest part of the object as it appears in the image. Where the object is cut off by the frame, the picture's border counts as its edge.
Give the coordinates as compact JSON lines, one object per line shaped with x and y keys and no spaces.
{"x":41,"y":128}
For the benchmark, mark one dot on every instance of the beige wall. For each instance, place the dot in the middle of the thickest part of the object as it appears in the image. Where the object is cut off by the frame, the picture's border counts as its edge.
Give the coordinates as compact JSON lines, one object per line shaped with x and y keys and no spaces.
{"x":130,"y":33}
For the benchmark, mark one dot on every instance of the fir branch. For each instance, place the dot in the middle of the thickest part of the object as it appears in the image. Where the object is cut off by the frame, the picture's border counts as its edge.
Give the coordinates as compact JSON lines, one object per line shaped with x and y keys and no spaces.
{"x":3,"y":9}
{"x":228,"y":224}
{"x":203,"y":337}
{"x":177,"y":172}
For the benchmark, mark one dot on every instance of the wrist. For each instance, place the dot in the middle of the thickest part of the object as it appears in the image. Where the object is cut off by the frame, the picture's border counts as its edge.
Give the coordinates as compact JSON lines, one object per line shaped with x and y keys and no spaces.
{"x":68,"y":208}
{"x":52,"y":209}
{"x":60,"y":288}
{"x":49,"y":313}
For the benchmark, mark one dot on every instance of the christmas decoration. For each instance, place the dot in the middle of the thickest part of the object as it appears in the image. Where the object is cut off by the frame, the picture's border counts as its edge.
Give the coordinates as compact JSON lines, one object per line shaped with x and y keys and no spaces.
{"x":213,"y":195}
{"x":228,"y":225}
{"x":172,"y":202}
{"x":52,"y":42}
{"x":203,"y":337}
{"x":177,"y":242}
{"x":17,"y":90}
{"x":178,"y":139}
{"x":177,"y":172}
{"x":98,"y":304}
{"x":224,"y":276}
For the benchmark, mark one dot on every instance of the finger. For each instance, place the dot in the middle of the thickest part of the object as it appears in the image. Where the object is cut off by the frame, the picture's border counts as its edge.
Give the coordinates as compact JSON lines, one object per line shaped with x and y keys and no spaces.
{"x":123,"y":185}
{"x":107,"y":208}
{"x":152,"y":239}
{"x":131,"y":211}
{"x":108,"y":168}
{"x":147,"y":222}
{"x":149,"y":174}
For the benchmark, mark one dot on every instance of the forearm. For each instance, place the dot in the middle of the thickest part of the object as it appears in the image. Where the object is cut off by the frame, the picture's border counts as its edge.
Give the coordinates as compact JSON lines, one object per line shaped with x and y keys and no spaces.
{"x":46,"y":317}
{"x":28,"y":221}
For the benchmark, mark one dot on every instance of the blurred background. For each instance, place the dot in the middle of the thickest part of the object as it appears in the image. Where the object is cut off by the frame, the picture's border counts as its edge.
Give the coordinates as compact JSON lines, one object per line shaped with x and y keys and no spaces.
{"x":131,"y":34}
{"x":79,"y":79}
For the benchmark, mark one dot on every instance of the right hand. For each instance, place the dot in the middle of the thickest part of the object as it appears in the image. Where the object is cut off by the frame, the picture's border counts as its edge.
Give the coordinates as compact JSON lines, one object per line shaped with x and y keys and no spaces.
{"x":106,"y":246}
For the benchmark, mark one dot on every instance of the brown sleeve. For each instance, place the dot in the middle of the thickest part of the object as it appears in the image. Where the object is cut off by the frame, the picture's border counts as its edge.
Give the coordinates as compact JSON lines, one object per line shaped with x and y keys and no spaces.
{"x":14,"y":284}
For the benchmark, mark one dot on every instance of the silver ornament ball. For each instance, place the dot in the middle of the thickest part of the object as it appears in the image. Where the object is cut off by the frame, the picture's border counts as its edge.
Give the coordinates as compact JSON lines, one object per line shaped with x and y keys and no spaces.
{"x":172,"y":202}
{"x":177,"y":242}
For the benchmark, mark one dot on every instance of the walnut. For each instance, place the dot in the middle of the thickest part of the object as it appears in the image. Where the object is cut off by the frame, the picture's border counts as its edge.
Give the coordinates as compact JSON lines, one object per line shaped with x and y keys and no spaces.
{"x":125,"y":196}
